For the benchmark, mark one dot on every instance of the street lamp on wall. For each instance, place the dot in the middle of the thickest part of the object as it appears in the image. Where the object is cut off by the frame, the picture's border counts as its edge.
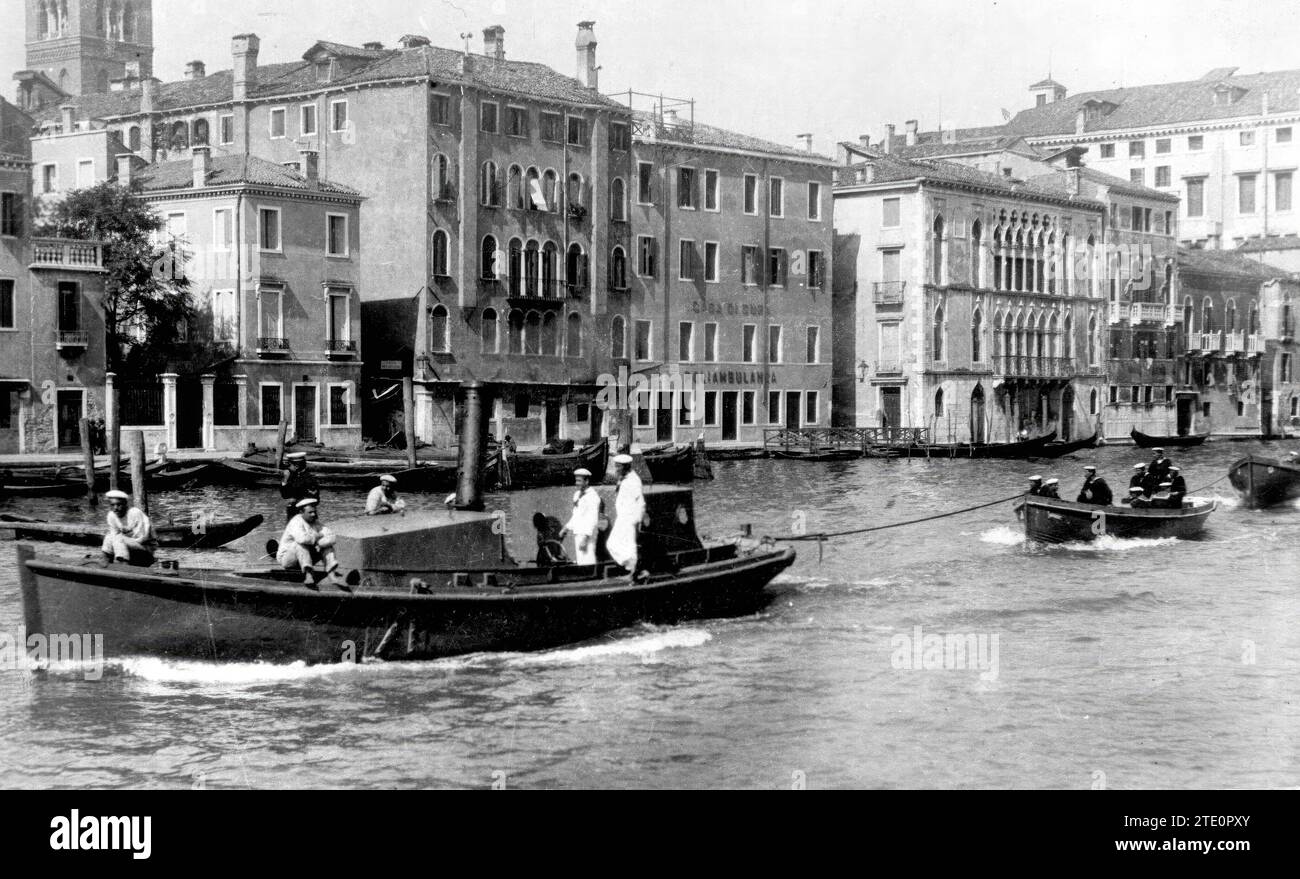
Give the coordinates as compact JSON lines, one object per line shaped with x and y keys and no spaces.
{"x":862,"y":371}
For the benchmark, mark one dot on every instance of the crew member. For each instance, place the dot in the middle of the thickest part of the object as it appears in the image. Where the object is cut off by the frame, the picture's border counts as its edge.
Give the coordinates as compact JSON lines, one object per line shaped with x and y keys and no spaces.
{"x":130,"y":538}
{"x":1134,"y":495}
{"x":629,"y":510}
{"x":1035,"y":485}
{"x":1139,"y":477}
{"x":1095,"y":490}
{"x":1139,"y":499}
{"x":550,"y":549}
{"x":306,"y":543}
{"x":1177,"y":487}
{"x":1159,"y":466}
{"x":585,"y":519}
{"x":1051,"y":488}
{"x":1162,"y":499}
{"x":383,"y":498}
{"x":297,"y":484}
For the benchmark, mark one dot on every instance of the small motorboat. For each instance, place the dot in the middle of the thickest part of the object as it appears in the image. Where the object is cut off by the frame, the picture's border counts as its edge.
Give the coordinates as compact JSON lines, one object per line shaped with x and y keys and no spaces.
{"x":1147,"y":441}
{"x":190,"y":534}
{"x":1265,"y":482}
{"x":425,"y":477}
{"x":1053,"y":520}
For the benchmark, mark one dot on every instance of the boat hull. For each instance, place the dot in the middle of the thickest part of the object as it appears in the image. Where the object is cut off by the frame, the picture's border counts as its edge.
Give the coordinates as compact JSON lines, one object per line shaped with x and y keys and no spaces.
{"x":220,"y":616}
{"x":1265,"y":482}
{"x":535,"y":470}
{"x":1146,"y":441}
{"x":187,"y":536}
{"x":1048,"y":520}
{"x":1032,"y":448}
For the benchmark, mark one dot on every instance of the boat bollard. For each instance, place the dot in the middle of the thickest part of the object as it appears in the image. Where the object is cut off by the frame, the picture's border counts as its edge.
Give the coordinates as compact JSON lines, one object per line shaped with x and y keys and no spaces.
{"x":747,"y":530}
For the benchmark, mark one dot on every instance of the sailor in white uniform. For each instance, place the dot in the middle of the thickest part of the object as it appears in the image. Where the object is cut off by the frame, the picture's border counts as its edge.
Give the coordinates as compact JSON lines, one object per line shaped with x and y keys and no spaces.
{"x":629,"y":510}
{"x":130,"y":538}
{"x":585,"y":519}
{"x":383,"y":498}
{"x":306,"y":543}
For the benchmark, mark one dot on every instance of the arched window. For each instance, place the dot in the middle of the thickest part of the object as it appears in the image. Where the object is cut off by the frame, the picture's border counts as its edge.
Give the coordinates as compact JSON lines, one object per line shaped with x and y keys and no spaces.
{"x":1254,"y":316}
{"x":1092,"y":341}
{"x":1207,"y":316}
{"x":550,"y":192}
{"x":938,"y":403}
{"x":618,"y":200}
{"x":1091,"y":266}
{"x":976,"y":336}
{"x":1018,"y":281}
{"x":1230,"y":316}
{"x":63,"y":80}
{"x":1092,"y":402}
{"x":1053,"y":338}
{"x":999,"y":280}
{"x":516,"y":331}
{"x":515,"y":188}
{"x":976,"y":255}
{"x":533,"y":333}
{"x":438,"y":341}
{"x":938,"y":332}
{"x":550,"y":337}
{"x":42,"y":21}
{"x":573,"y":344}
{"x":1069,"y":337}
{"x":1066,"y":265}
{"x":515,"y":266}
{"x":488,"y":193}
{"x":618,"y":269}
{"x":133,"y":138}
{"x":1050,"y":263}
{"x":575,"y":190}
{"x":999,"y":335}
{"x":440,"y":246}
{"x":533,"y":191}
{"x":549,"y":262}
{"x":937,"y":243}
{"x":200,"y":132}
{"x":180,"y":138}
{"x":575,"y":269}
{"x":100,"y":19}
{"x":440,"y":178}
{"x":488,"y":259}
{"x":1040,"y":336}
{"x":532,"y":258}
{"x":488,"y":331}
{"x":617,"y":338}
{"x":128,"y":23}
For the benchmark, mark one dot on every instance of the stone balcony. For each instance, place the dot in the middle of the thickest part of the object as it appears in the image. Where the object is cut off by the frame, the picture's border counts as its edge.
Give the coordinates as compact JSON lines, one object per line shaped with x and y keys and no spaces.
{"x":67,"y":254}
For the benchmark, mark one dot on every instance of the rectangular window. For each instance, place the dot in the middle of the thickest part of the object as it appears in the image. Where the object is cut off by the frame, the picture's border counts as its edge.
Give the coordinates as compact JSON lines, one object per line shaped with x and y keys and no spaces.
{"x":223,"y":229}
{"x":644,"y":183}
{"x":1163,"y":145}
{"x":1283,"y":135}
{"x":339,"y":399}
{"x":1196,"y":142}
{"x":1137,"y":175}
{"x":643,"y":350}
{"x":711,"y":261}
{"x":552,"y":125}
{"x":748,"y":351}
{"x":85,"y":173}
{"x":439,"y":109}
{"x":686,"y":188}
{"x":751,"y":194}
{"x":277,"y":122}
{"x":226,"y":129}
{"x":749,"y":265}
{"x":1114,"y":393}
{"x":814,"y":345}
{"x":271,"y":409}
{"x":890,"y":266}
{"x":712,"y":191}
{"x":1137,"y":149}
{"x":1247,"y":138}
{"x":710,"y":408}
{"x":686,"y":260}
{"x":338,"y":115}
{"x":6,"y":304}
{"x":774,"y":344}
{"x":336,"y":233}
{"x":49,"y":177}
{"x":517,"y":121}
{"x":748,"y":403}
{"x":773,"y":407}
{"x":1246,"y":194}
{"x":889,"y":213}
{"x":810,"y":407}
{"x":270,"y":323}
{"x":1282,"y":190}
{"x":686,"y":341}
{"x":1146,"y":393}
{"x":1162,"y":175}
{"x":69,"y":307}
{"x":776,"y":267}
{"x":177,"y":224}
{"x":642,"y":405}
{"x":307,"y":118}
{"x":268,"y":229}
{"x":1108,"y":150}
{"x":224,"y":315}
{"x":487,"y":117}
{"x":814,"y":200}
{"x":816,"y":270}
{"x":711,"y":343}
{"x":11,"y":214}
{"x":1195,"y":198}
{"x":645,"y":263}
{"x":776,"y":198}
{"x":619,"y":137}
{"x":577,"y":131}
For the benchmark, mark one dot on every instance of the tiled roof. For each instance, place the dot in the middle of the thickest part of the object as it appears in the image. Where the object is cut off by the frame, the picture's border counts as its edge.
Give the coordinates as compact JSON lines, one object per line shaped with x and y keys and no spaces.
{"x":711,"y":135}
{"x":1098,"y":178}
{"x":1226,"y":262}
{"x":292,"y":77}
{"x":227,"y":171}
{"x":1270,"y":242}
{"x":996,"y":144}
{"x":1169,"y":103}
{"x":956,"y":140}
{"x":1046,"y":84}
{"x":343,"y":50}
{"x":892,"y":168}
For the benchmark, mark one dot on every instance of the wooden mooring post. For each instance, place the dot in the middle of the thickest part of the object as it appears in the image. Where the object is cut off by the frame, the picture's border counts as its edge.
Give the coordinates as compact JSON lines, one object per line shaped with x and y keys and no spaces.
{"x":135,"y":447}
{"x":88,"y":461}
{"x":408,"y":420}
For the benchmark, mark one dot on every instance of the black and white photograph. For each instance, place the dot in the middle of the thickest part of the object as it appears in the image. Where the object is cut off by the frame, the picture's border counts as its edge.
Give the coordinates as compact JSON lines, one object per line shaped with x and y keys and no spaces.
{"x":561,"y":394}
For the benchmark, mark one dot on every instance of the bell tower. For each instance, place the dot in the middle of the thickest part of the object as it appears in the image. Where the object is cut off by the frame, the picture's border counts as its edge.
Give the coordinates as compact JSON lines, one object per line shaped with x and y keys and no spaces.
{"x":84,"y":45}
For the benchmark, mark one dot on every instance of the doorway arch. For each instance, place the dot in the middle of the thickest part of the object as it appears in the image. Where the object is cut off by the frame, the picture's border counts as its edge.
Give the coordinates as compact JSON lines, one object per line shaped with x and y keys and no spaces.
{"x":977,"y":432}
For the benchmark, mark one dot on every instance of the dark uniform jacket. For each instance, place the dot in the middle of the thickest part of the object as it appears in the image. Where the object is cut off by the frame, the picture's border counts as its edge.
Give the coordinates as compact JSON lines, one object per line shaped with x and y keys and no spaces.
{"x":297,"y":485}
{"x":1095,"y":491}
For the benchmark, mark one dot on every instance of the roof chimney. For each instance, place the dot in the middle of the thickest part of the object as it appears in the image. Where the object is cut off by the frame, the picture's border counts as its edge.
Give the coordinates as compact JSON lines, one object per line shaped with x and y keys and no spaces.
{"x":410,"y":41}
{"x":889,"y":139}
{"x":1080,"y":120}
{"x":195,"y":70}
{"x":374,"y":46}
{"x":912,"y":128}
{"x":202,"y":164}
{"x":68,"y":111}
{"x":148,"y":94}
{"x":1073,"y":181}
{"x":309,"y":167}
{"x":494,"y":42}
{"x":125,"y":169}
{"x":807,"y":141}
{"x":244,"y":49}
{"x":588,"y":72}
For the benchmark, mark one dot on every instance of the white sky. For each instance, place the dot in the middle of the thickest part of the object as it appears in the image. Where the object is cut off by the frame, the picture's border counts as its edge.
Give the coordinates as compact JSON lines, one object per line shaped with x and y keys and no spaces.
{"x":775,"y":68}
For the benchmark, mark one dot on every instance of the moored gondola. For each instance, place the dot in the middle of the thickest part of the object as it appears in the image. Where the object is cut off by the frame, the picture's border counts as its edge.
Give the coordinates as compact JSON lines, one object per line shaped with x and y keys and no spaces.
{"x":1056,"y":450}
{"x":1147,"y":441}
{"x":1030,"y":448}
{"x":537,"y":470}
{"x":1265,"y":482}
{"x":189,"y":535}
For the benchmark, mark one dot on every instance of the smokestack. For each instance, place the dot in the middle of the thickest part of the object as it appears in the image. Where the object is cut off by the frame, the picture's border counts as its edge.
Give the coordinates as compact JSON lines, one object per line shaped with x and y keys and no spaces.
{"x":125,"y":169}
{"x":889,"y":139}
{"x":201,"y":164}
{"x":494,"y":42}
{"x":68,"y":120}
{"x":244,"y":48}
{"x":1080,"y":120}
{"x":473,"y":445}
{"x":195,"y":70}
{"x":588,"y":72}
{"x":309,"y":166}
{"x":912,"y":128}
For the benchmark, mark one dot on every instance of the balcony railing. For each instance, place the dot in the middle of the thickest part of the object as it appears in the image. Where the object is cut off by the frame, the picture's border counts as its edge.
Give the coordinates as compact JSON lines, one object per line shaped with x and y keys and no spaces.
{"x":1255,"y":343}
{"x":1235,"y":342}
{"x":889,"y":292}
{"x":72,"y":339}
{"x":892,"y":367}
{"x":272,"y":345}
{"x":61,"y":253}
{"x":340,"y":346}
{"x":1150,"y":312}
{"x":1025,"y":366}
{"x":1211,"y":342}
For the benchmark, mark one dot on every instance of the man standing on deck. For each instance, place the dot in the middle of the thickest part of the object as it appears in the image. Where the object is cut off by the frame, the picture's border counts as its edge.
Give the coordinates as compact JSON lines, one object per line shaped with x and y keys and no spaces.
{"x":383,"y":498}
{"x":1159,"y":466}
{"x":629,"y":510}
{"x":296,"y":484}
{"x":1094,"y":490}
{"x":585,"y":519}
{"x":306,"y":543}
{"x":130,"y":538}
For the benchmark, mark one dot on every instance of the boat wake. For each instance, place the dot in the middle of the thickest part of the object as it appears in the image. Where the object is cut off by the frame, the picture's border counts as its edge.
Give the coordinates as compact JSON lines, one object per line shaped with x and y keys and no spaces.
{"x":644,"y":645}
{"x":1003,"y":535}
{"x":1109,"y":543}
{"x":175,"y":671}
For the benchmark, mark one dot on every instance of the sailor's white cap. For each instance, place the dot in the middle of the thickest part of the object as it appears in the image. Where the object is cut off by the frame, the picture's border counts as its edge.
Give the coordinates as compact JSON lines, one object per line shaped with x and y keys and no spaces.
{"x":1175,"y":469}
{"x":387,"y":479}
{"x":1052,"y":481}
{"x":1089,"y":467}
{"x":116,"y":495}
{"x":296,"y":456}
{"x":1166,"y":484}
{"x":582,"y":471}
{"x":1139,"y":466}
{"x":622,"y":459}
{"x":1035,"y":478}
{"x":1135,"y":489}
{"x":306,"y":502}
{"x":1158,"y":449}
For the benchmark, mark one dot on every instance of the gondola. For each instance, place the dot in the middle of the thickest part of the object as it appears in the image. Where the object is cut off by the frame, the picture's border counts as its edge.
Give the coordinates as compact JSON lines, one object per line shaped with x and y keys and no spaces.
{"x":817,"y":454}
{"x":1030,"y":448}
{"x":1147,"y":441}
{"x":536,"y":470}
{"x":39,"y":486}
{"x":426,"y":477}
{"x":1265,"y":482}
{"x":1053,"y":520}
{"x":417,"y":587}
{"x":187,"y":535}
{"x":670,"y":464}
{"x":1056,"y":450}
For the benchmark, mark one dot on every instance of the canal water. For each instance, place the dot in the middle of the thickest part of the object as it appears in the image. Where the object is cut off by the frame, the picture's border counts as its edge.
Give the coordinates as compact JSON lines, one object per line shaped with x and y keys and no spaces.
{"x":1121,"y":664}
